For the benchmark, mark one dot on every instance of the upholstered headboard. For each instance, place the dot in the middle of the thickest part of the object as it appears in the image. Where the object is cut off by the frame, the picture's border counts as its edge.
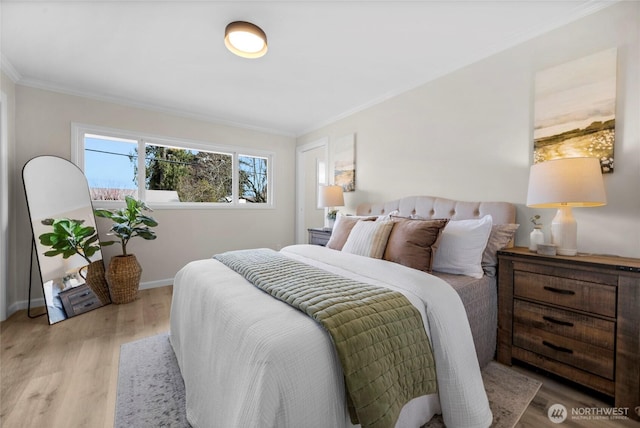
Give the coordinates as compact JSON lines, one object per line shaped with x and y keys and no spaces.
{"x":431,"y":207}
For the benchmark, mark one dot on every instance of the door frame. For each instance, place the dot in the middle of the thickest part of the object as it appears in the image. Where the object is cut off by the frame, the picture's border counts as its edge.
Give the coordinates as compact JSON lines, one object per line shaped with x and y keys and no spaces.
{"x":301,"y":232}
{"x":4,"y":204}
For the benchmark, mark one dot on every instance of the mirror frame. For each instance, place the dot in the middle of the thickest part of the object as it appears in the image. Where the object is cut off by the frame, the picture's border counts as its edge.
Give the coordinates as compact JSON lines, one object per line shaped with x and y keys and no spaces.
{"x":69,"y":295}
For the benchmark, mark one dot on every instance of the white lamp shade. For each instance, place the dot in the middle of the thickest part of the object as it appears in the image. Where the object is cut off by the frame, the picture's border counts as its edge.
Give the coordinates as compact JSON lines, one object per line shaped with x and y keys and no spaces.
{"x":330,"y":196}
{"x":572,"y":182}
{"x":563,"y":184}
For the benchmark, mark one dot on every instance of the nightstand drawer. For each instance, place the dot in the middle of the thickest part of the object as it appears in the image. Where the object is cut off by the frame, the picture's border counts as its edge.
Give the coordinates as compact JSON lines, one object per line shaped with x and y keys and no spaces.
{"x":86,"y":305}
{"x":79,"y":300}
{"x":572,"y":352}
{"x":567,"y":292}
{"x":587,"y":329}
{"x":319,"y":236}
{"x":79,"y":294}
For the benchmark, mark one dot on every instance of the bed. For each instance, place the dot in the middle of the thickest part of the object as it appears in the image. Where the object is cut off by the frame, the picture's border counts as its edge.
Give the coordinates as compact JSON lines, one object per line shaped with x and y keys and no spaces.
{"x":248,"y":359}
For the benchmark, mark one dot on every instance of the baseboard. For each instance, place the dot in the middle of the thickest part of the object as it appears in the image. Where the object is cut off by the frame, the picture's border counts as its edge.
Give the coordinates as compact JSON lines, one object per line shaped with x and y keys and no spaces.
{"x":156,"y":284}
{"x":24,"y":304}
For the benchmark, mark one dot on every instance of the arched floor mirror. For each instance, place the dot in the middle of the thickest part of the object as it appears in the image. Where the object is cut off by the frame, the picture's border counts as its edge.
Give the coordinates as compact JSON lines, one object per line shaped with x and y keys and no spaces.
{"x":65,"y":238}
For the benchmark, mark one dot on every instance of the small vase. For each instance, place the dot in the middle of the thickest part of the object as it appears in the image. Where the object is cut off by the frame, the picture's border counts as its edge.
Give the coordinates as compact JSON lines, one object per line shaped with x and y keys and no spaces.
{"x":535,"y":237}
{"x":123,"y":277}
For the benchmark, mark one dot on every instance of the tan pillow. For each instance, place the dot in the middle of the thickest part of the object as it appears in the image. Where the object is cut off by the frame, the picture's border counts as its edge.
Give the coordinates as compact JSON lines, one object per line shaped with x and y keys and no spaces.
{"x":413,"y":243}
{"x":501,"y":235}
{"x":341,"y":229}
{"x":368,"y":238}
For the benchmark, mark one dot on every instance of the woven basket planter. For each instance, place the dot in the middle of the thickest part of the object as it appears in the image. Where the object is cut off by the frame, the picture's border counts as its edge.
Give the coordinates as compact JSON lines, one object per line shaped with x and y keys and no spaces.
{"x":123,"y":277}
{"x":97,"y":282}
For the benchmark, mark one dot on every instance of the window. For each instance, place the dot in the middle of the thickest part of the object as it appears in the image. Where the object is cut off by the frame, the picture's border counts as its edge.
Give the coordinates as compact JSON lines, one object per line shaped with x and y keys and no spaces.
{"x":187,"y":175}
{"x":170,"y":172}
{"x":252,"y":180}
{"x":109,"y":167}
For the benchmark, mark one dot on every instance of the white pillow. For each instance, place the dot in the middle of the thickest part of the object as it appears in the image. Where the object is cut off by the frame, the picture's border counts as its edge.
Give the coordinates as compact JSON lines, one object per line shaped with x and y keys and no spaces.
{"x":387,"y":217}
{"x":461,"y":247}
{"x":368,"y":238}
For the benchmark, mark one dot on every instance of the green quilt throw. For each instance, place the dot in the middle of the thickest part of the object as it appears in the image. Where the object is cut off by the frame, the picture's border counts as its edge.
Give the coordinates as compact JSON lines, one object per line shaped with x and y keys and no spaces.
{"x":378,"y":334}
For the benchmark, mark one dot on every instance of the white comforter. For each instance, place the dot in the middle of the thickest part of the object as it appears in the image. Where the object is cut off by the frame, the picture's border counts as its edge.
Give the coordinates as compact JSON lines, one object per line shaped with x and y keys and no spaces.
{"x":249,"y":360}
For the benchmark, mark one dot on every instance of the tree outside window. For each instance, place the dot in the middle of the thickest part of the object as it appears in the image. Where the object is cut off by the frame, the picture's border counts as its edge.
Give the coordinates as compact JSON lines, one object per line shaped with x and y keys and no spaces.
{"x":173,"y":173}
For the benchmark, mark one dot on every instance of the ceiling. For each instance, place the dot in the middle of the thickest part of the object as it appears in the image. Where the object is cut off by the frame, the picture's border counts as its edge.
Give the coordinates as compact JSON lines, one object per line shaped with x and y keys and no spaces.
{"x":326,"y":59}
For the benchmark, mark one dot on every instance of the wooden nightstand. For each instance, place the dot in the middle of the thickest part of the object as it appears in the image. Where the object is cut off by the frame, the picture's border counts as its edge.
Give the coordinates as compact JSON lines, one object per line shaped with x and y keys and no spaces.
{"x":577,"y":317}
{"x":78,"y":300}
{"x":319,"y":236}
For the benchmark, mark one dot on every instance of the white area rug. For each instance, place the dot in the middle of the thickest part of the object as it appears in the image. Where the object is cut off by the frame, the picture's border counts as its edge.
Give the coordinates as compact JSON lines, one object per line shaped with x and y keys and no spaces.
{"x":151,"y":390}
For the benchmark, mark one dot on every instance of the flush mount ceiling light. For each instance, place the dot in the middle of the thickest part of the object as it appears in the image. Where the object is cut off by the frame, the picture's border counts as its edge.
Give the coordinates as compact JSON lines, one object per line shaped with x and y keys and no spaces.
{"x":245,"y":39}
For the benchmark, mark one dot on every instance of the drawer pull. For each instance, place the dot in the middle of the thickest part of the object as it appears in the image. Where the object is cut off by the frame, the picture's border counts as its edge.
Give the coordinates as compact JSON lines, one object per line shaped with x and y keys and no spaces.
{"x":86,"y":305}
{"x":557,"y":348}
{"x":559,"y":290}
{"x":86,"y":293}
{"x":559,"y":322}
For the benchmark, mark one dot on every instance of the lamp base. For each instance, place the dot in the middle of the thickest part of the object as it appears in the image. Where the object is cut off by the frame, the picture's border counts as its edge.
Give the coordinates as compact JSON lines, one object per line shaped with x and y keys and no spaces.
{"x":564,"y":232}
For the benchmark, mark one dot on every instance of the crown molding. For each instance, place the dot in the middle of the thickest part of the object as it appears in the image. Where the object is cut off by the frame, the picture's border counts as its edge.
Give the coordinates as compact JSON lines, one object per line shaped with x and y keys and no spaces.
{"x":9,"y":69}
{"x":581,"y":11}
{"x":48,"y":86}
{"x":17,"y":78}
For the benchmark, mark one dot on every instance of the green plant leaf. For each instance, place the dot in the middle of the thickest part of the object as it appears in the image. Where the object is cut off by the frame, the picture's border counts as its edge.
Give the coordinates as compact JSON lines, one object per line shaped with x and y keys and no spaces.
{"x":52,"y":253}
{"x":70,"y":237}
{"x":92,"y":238}
{"x":148,"y":221}
{"x":47,"y":238}
{"x":146,"y":234}
{"x":102,"y":213}
{"x":90,"y":251}
{"x":127,"y":222}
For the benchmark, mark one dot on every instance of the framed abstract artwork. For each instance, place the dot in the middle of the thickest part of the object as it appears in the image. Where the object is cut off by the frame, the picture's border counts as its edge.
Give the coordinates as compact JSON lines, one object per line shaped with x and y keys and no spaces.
{"x":344,"y":167}
{"x":575,"y":110}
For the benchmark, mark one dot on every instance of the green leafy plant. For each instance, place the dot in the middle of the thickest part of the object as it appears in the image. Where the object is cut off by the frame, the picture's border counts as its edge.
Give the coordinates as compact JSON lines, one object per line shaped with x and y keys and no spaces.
{"x":331,"y":215}
{"x":535,"y":219}
{"x":129,"y":222}
{"x":70,"y":237}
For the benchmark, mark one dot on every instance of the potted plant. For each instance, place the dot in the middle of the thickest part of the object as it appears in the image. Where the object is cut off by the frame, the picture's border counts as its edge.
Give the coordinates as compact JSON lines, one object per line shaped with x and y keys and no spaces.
{"x":536,"y":236}
{"x":331,"y":216}
{"x":124,"y":271}
{"x":70,"y":237}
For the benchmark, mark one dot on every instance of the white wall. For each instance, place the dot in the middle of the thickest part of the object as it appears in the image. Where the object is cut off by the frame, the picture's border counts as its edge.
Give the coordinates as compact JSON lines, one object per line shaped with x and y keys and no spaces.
{"x":43,"y":126}
{"x":468,"y":135}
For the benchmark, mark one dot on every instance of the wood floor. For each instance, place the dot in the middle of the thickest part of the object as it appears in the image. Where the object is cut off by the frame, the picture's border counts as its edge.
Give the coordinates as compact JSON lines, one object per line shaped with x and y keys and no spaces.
{"x":65,"y":375}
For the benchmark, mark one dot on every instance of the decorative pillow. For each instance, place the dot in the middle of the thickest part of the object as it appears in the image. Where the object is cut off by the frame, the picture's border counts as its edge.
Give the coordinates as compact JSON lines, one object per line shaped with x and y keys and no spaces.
{"x":368,"y":238}
{"x":412,"y":243}
{"x":501,"y":235}
{"x":462,"y":245}
{"x":341,"y":229}
{"x":387,"y":217}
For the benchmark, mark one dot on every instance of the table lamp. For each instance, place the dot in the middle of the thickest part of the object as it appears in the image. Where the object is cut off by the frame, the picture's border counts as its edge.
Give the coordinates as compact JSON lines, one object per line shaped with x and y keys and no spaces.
{"x":563,"y":184}
{"x":330,"y":196}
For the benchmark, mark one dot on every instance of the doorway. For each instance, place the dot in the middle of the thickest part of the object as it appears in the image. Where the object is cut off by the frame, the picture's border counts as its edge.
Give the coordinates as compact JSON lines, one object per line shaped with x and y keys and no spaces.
{"x":311,"y":171}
